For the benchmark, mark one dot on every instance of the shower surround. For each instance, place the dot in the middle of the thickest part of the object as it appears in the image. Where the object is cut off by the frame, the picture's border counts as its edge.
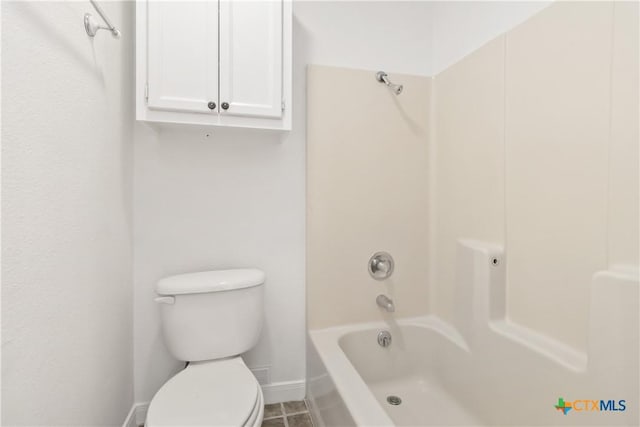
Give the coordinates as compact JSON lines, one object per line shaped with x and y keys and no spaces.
{"x":508,"y":195}
{"x":462,"y":374}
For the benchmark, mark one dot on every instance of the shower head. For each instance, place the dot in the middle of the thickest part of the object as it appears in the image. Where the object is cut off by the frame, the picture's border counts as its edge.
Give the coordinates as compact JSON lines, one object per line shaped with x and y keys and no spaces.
{"x":382,"y":77}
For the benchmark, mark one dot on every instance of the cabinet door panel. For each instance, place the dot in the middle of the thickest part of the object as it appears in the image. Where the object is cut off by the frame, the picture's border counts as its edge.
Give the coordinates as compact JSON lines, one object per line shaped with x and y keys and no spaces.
{"x":251,"y":58}
{"x":182,"y":55}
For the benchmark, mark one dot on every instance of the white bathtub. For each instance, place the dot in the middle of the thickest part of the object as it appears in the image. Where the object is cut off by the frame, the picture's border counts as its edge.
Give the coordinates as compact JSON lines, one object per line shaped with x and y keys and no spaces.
{"x":359,"y":375}
{"x":480,"y":369}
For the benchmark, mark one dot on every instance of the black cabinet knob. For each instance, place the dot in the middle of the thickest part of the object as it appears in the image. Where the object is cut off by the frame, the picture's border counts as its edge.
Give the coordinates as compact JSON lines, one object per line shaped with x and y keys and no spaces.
{"x":211,"y":105}
{"x":225,"y":105}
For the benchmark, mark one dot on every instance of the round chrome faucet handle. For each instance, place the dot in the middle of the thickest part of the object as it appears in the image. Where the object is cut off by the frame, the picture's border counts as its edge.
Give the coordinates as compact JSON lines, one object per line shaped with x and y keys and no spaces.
{"x":381,"y":265}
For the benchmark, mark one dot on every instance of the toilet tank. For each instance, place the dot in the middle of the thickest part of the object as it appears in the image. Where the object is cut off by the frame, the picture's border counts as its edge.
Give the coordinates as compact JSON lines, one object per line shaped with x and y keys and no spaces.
{"x":211,"y":314}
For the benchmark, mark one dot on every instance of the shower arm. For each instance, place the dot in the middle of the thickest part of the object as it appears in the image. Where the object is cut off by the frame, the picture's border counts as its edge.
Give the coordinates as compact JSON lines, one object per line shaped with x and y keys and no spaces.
{"x":383,"y":77}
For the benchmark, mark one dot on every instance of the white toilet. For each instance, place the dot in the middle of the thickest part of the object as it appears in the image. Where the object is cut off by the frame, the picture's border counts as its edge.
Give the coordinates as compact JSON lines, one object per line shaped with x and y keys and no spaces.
{"x":208,"y":320}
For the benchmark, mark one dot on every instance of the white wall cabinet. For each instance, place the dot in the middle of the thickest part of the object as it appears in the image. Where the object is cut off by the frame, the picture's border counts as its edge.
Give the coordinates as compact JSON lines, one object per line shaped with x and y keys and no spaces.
{"x":215,"y":62}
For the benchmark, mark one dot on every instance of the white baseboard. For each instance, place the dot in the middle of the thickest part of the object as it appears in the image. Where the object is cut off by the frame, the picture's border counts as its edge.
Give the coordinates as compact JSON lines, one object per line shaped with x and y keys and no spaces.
{"x":137,"y":415}
{"x":283,"y":391}
{"x":273,"y":393}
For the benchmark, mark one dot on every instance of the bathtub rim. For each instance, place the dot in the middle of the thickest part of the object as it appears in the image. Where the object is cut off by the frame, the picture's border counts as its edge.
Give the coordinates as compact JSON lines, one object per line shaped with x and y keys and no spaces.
{"x":350,"y":386}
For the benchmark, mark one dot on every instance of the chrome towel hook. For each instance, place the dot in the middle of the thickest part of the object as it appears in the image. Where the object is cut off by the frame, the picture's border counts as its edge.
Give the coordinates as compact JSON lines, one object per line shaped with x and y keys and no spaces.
{"x":91,"y":24}
{"x":383,"y":77}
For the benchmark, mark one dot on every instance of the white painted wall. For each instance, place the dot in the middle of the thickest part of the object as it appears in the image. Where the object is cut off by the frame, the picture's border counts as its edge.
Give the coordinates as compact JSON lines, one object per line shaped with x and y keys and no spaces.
{"x":237,"y":198}
{"x":66,"y":216}
{"x":390,"y":35}
{"x":460,"y":27}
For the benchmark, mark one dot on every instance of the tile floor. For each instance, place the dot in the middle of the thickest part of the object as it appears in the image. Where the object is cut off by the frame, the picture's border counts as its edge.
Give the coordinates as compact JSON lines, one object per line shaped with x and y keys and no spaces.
{"x":287,"y":414}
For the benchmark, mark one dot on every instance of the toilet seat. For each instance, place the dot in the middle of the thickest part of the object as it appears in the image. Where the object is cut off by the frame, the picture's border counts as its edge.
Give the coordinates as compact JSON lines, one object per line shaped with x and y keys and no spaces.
{"x":211,"y":393}
{"x":255,"y":419}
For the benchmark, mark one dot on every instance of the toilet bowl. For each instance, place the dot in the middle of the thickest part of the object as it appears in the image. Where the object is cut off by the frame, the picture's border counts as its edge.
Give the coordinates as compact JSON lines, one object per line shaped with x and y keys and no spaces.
{"x":212,"y":393}
{"x":209,"y":319}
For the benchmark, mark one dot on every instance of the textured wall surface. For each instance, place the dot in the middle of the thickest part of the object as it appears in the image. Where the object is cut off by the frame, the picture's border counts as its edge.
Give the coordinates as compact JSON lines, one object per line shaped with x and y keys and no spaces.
{"x":66,"y":216}
{"x":237,"y":198}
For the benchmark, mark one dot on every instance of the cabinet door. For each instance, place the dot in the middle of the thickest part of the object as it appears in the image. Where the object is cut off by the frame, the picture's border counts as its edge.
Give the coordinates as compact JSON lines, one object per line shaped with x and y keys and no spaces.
{"x":182,"y":55}
{"x":251,"y":58}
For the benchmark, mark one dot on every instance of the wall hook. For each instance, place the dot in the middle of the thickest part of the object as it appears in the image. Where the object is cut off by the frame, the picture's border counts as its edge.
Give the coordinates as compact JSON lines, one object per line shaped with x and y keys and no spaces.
{"x":91,"y":24}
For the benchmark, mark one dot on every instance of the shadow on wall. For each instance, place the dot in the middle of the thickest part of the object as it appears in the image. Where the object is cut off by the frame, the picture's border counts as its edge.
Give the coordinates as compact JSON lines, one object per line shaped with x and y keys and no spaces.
{"x":74,"y":45}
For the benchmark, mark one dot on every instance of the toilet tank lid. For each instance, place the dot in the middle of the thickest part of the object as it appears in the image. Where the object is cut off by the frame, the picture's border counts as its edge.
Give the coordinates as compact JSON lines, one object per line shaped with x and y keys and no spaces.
{"x":210,"y":281}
